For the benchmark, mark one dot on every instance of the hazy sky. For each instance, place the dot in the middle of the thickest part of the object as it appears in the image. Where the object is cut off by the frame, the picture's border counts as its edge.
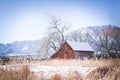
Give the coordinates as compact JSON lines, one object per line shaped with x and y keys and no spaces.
{"x":28,"y":19}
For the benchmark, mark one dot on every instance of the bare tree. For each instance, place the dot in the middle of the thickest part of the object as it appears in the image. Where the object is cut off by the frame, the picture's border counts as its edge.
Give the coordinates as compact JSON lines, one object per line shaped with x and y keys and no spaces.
{"x":115,"y":48}
{"x":57,"y":32}
{"x":109,"y":41}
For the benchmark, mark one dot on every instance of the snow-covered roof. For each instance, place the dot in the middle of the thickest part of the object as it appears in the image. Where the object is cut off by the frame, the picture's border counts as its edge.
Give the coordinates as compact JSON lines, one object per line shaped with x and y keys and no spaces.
{"x":80,"y":46}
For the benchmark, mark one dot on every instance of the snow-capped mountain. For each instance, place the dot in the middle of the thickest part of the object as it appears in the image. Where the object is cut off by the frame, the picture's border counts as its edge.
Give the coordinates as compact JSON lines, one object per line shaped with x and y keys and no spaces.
{"x":20,"y":47}
{"x":89,"y":34}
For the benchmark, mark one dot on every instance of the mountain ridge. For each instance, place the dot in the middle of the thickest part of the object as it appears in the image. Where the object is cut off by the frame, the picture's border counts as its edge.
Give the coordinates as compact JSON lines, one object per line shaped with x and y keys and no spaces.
{"x":33,"y":46}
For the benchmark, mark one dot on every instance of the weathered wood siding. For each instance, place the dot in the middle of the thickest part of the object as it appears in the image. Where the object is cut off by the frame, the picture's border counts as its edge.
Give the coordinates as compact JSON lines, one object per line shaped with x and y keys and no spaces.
{"x":65,"y":52}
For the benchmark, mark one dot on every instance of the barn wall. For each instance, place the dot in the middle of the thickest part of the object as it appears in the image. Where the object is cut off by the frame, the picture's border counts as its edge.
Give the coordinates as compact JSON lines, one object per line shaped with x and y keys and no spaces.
{"x":65,"y":52}
{"x":83,"y":54}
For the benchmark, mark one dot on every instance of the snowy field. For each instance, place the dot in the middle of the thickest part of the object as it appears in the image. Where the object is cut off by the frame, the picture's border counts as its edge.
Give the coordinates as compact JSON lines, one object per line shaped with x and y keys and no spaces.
{"x":48,"y":71}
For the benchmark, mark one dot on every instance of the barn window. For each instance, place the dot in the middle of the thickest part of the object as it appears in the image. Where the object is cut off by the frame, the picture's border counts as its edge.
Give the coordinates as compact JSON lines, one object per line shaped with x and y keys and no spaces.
{"x":76,"y":55}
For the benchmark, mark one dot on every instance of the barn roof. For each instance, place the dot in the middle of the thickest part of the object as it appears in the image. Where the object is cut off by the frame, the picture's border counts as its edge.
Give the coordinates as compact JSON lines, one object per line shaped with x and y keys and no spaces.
{"x":80,"y":46}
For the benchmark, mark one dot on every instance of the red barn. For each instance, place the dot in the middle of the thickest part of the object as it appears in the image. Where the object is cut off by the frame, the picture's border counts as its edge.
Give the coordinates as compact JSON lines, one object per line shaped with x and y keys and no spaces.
{"x":70,"y":50}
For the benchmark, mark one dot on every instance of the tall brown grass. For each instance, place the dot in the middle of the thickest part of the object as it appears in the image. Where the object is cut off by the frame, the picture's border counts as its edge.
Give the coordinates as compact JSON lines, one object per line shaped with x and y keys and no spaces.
{"x":106,"y":72}
{"x":56,"y":77}
{"x":21,"y":74}
{"x":72,"y":75}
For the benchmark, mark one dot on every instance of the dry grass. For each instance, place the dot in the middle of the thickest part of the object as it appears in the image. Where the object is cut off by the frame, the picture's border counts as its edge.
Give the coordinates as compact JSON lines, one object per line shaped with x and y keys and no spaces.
{"x":70,"y":62}
{"x":106,"y":69}
{"x":56,"y":77}
{"x":78,"y":62}
{"x":109,"y":72}
{"x":21,"y":74}
{"x":74,"y":75}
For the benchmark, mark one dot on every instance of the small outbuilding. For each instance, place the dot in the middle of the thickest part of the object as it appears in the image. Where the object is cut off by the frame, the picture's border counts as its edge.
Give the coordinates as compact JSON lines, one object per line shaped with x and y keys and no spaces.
{"x":74,"y":50}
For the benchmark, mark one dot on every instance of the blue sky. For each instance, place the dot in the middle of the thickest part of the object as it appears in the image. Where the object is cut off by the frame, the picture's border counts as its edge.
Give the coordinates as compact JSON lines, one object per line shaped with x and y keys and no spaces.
{"x":28,"y":19}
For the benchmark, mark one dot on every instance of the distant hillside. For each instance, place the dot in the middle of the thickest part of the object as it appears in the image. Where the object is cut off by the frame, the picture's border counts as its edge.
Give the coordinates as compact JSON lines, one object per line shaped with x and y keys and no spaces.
{"x":89,"y":34}
{"x":20,"y":47}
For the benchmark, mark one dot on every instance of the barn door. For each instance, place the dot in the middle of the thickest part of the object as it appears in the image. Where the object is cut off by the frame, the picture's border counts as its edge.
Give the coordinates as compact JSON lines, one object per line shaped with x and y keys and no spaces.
{"x":65,"y":55}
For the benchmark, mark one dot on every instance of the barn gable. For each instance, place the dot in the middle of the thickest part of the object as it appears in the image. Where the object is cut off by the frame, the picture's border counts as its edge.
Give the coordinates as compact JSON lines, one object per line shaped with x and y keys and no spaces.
{"x":65,"y":51}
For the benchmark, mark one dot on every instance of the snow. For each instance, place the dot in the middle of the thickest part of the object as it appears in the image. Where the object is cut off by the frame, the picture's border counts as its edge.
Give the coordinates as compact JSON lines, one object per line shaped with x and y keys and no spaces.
{"x":25,"y":48}
{"x":48,"y":71}
{"x":80,"y":46}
